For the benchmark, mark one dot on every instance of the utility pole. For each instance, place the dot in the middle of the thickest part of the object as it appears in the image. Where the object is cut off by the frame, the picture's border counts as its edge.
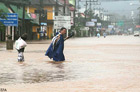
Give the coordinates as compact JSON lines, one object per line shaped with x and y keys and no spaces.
{"x":78,"y":12}
{"x":89,"y":7}
{"x":40,"y":11}
{"x":64,"y":8}
{"x":78,"y":8}
{"x":23,"y":20}
{"x":100,"y":14}
{"x":56,"y":14}
{"x":139,"y":15}
{"x":56,"y":8}
{"x":86,"y":11}
{"x":23,"y":28}
{"x":74,"y":14}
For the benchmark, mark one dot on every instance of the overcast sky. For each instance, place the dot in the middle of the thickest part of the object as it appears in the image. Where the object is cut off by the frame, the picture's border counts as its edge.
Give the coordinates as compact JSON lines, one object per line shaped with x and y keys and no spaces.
{"x":119,"y":7}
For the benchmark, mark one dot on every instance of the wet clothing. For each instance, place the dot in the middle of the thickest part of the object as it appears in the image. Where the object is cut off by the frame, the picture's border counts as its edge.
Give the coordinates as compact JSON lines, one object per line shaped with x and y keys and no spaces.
{"x":20,"y":52}
{"x":20,"y":57}
{"x":56,"y":48}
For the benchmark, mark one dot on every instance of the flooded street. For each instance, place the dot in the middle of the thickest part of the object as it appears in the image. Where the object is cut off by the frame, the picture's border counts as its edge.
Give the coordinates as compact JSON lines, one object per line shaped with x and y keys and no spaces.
{"x":92,"y":64}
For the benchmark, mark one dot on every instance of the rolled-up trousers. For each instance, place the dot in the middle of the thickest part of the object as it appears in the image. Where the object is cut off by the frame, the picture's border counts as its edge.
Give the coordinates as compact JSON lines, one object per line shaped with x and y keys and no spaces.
{"x":21,"y":55}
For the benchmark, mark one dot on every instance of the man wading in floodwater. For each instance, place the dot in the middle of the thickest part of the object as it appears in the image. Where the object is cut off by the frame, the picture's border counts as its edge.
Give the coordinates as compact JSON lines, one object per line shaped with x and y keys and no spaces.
{"x":56,"y":48}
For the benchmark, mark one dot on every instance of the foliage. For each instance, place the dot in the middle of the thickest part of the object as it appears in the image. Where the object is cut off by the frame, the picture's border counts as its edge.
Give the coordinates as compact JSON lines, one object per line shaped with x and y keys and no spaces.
{"x":80,"y":23}
{"x":3,"y":16}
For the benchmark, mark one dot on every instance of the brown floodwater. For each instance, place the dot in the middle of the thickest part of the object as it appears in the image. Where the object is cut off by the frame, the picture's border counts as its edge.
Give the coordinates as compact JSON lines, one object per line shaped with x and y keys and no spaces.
{"x":39,"y":71}
{"x":97,"y":58}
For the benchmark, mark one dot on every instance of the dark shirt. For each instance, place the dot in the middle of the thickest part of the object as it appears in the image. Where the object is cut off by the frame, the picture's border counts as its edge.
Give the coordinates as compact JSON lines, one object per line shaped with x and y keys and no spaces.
{"x":21,"y":50}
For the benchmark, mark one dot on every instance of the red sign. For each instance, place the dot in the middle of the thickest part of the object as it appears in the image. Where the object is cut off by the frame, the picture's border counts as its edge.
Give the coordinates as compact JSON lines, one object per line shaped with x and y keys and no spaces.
{"x":137,"y":26}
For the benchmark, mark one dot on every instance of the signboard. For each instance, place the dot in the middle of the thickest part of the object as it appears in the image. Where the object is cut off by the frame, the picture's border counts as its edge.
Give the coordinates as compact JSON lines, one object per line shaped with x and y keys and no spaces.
{"x":62,"y":21}
{"x":62,"y":18}
{"x":85,"y":28}
{"x":99,"y":24}
{"x":44,"y":24}
{"x":94,"y":20}
{"x":110,"y":26}
{"x":120,"y":23}
{"x":90,"y":24}
{"x":60,"y":24}
{"x":11,"y":19}
{"x":137,"y":26}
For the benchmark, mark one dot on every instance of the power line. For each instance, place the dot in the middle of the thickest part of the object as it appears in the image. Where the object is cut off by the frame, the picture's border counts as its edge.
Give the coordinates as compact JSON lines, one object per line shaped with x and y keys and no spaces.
{"x":116,"y":0}
{"x":124,"y":10}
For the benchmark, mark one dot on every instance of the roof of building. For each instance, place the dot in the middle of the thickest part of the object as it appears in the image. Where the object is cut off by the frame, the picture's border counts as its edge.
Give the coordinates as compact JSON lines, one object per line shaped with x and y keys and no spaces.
{"x":19,"y":11}
{"x":72,"y":2}
{"x":15,"y":9}
{"x":45,"y":2}
{"x":64,"y":1}
{"x":4,"y":8}
{"x":72,"y":8}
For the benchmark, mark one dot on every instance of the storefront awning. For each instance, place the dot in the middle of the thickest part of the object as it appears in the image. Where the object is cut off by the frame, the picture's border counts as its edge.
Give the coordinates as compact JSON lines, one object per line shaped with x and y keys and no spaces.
{"x":19,"y":11}
{"x":4,"y":8}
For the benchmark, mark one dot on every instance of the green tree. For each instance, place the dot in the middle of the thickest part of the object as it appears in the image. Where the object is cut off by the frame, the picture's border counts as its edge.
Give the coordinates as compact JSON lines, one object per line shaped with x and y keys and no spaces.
{"x":2,"y":27}
{"x":2,"y":15}
{"x":80,"y":23}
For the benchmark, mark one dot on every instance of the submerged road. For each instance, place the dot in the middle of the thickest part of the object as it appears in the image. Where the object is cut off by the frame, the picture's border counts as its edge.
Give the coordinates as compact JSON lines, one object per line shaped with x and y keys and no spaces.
{"x":92,"y":64}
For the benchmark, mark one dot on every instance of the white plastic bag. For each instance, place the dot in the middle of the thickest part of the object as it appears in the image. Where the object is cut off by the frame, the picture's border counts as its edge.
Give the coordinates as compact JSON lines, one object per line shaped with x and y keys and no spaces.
{"x":20,"y":43}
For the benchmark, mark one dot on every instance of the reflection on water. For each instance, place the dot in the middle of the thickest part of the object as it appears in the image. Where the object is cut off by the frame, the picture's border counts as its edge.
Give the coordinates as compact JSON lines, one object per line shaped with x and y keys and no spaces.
{"x":41,"y":72}
{"x":44,"y":75}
